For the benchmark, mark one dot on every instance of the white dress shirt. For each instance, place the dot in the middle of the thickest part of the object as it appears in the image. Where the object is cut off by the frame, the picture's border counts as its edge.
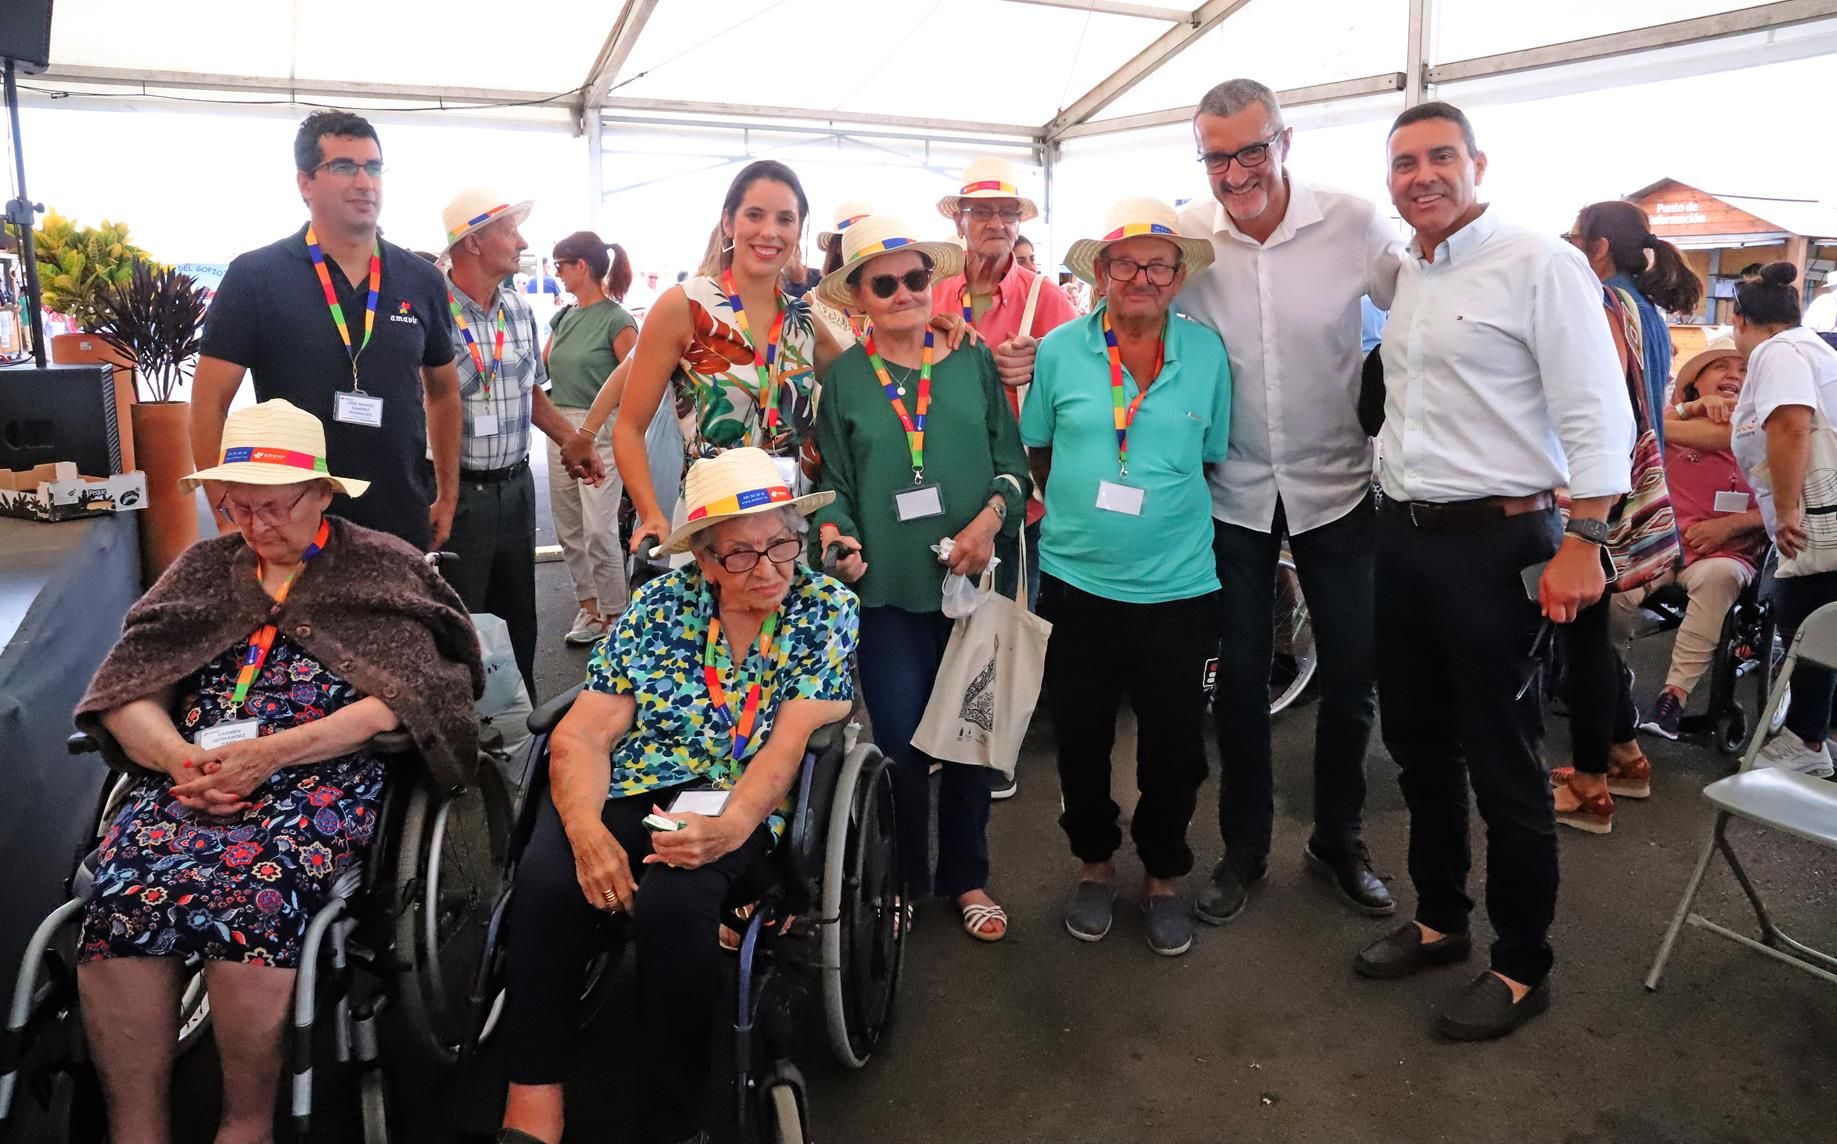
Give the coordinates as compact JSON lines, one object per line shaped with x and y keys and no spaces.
{"x":1500,"y":374}
{"x":1288,"y":311}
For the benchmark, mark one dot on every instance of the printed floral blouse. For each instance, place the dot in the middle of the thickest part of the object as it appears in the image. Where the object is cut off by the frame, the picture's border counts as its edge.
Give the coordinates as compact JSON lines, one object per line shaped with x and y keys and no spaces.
{"x":716,"y":383}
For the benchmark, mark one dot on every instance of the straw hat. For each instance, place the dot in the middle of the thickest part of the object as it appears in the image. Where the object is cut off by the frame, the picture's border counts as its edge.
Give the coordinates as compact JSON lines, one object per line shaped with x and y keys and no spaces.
{"x":273,"y":443}
{"x":472,"y":209}
{"x":876,"y":235}
{"x":1130,"y":218}
{"x":992,"y":178}
{"x":847,"y":214}
{"x":1717,"y":348}
{"x":739,"y":482}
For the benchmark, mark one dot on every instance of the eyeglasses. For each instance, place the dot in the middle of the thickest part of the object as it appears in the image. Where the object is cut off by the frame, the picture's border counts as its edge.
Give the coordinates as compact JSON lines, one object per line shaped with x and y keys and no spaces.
{"x":1126,"y":270}
{"x":984,"y":214}
{"x":885,"y":285}
{"x":348,"y":168}
{"x":1571,"y":237}
{"x":781,"y":551}
{"x":561,"y":262}
{"x":241,"y":514}
{"x":1254,"y":155}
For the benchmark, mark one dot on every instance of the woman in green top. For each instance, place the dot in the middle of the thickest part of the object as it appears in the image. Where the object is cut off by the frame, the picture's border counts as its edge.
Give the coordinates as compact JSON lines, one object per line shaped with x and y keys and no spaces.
{"x":586,"y":341}
{"x":919,"y":445}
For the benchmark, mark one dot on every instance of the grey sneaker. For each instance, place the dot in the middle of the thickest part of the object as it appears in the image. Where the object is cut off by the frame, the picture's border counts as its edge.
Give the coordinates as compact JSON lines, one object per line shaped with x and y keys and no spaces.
{"x":1091,"y":910}
{"x":1170,"y":924}
{"x":1228,"y":892}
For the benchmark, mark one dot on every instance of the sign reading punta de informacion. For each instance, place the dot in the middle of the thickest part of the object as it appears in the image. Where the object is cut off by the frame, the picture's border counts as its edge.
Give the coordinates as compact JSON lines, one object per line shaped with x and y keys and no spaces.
{"x":1678,"y":214}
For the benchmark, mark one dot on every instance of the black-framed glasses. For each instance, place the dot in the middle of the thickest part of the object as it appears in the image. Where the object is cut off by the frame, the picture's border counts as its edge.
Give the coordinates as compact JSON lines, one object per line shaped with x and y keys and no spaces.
{"x":1127,"y":269}
{"x":561,"y":262}
{"x":240,"y":514}
{"x":347,"y":168}
{"x":886,"y":285}
{"x":1254,"y":155}
{"x":781,"y":551}
{"x":987,"y":213}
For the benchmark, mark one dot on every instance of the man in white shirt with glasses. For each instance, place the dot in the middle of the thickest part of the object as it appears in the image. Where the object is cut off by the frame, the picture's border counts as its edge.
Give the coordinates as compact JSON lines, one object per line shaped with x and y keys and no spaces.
{"x":1292,"y":263}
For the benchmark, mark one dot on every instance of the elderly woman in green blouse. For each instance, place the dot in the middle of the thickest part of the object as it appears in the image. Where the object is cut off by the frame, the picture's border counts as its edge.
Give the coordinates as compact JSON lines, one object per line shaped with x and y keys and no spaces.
{"x":919,"y":446}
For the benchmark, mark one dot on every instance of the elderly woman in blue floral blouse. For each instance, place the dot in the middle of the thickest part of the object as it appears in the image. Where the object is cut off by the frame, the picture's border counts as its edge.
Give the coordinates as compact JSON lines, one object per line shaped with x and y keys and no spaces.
{"x":716,"y":676}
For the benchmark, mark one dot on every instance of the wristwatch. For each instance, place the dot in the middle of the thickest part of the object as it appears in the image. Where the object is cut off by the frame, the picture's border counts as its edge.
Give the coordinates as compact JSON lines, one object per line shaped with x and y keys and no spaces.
{"x":1593,"y":531}
{"x":1000,"y":507}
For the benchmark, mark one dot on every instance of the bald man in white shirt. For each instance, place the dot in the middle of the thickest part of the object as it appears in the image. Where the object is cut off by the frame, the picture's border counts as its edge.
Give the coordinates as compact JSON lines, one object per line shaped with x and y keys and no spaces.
{"x":1291,"y":263}
{"x":1502,"y":385}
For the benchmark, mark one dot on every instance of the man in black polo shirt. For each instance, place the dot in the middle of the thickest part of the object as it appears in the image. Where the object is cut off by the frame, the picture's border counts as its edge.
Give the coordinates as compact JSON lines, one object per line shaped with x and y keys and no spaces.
{"x":383,"y":382}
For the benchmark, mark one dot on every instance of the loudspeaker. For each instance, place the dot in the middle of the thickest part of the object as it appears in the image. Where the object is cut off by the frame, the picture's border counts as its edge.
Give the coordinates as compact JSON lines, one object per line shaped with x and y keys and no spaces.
{"x":60,"y":413}
{"x":25,"y":33}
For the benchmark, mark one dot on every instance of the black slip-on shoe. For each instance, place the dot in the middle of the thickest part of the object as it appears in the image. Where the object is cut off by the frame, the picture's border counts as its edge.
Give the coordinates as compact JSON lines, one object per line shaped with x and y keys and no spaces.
{"x":1485,"y":1009}
{"x":1403,"y":952}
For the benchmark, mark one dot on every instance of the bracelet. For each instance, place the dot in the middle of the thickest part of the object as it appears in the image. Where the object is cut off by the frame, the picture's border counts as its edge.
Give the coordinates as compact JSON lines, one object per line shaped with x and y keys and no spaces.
{"x":1682,"y":410}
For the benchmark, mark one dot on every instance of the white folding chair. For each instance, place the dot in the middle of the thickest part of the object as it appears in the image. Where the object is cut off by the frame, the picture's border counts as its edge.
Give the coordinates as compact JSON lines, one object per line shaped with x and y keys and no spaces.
{"x":1791,"y":803}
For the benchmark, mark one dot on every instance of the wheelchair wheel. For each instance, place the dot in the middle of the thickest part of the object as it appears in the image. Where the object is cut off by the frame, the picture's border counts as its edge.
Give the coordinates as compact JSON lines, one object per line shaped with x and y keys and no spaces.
{"x":1731,"y":731}
{"x":863,"y":946}
{"x":1293,"y":663}
{"x":449,"y":873}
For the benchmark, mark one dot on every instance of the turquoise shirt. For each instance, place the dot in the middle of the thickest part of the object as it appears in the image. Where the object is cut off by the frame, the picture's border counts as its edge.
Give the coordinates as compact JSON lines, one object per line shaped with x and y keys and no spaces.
{"x":1166,"y":552}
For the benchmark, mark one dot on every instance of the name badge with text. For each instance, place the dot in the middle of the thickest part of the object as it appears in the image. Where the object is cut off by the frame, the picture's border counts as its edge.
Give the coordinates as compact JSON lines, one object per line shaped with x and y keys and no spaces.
{"x":1114,"y":497}
{"x":1729,"y":500}
{"x":357,"y":409}
{"x":224,"y":734}
{"x":485,"y":425}
{"x":918,"y":503}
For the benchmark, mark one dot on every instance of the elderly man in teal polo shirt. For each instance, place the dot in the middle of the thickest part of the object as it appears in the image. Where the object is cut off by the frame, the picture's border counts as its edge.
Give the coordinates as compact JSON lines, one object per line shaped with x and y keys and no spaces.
{"x":1127,"y":408}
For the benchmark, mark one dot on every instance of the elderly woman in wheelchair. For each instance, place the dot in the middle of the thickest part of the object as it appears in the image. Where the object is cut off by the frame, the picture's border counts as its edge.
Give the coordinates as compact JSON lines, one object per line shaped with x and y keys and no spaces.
{"x":239,"y":699}
{"x":714,"y":678}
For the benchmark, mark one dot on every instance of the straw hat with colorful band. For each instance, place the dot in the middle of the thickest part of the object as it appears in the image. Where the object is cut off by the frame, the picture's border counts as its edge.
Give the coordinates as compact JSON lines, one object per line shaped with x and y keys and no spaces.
{"x":273,"y":443}
{"x":475,"y":208}
{"x":1129,"y":219}
{"x":739,"y":482}
{"x":847,"y":215}
{"x":990,"y":178}
{"x":874,"y":236}
{"x":1717,"y":348}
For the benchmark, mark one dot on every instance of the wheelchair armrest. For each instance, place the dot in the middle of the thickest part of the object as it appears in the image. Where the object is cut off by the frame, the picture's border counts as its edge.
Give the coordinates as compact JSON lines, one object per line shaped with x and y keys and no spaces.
{"x":391,"y":743}
{"x":543,"y":719}
{"x":82,"y":743}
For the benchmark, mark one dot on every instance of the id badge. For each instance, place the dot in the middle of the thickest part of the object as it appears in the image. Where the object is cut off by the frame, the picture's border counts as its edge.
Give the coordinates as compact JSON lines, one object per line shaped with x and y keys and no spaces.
{"x":1729,"y":500}
{"x":485,"y":425}
{"x":357,"y":409}
{"x":223,"y":734}
{"x":918,"y":503}
{"x":1114,"y":497}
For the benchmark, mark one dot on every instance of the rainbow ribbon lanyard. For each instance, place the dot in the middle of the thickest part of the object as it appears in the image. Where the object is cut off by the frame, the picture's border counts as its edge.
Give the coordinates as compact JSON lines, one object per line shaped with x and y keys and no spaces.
{"x":1125,"y":416}
{"x":331,"y":298}
{"x":913,"y":425}
{"x":767,"y":398}
{"x":262,"y":641}
{"x":748,"y":720}
{"x":478,"y":356}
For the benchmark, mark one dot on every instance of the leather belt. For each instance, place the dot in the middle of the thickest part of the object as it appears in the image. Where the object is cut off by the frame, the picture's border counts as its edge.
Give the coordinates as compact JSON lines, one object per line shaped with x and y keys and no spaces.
{"x":1451,"y":516}
{"x":493,"y":476}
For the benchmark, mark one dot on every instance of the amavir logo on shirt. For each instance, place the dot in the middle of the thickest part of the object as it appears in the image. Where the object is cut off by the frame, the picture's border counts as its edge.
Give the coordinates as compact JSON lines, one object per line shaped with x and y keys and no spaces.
{"x":404,"y":314}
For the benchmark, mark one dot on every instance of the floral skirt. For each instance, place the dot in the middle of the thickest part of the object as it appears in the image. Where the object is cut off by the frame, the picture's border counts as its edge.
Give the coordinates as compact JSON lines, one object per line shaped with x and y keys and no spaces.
{"x":173,"y":882}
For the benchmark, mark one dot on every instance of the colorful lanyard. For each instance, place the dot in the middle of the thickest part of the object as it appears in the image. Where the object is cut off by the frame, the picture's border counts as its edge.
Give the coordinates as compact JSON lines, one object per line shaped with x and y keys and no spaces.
{"x":478,"y":356}
{"x":768,"y":395}
{"x":1125,"y":417}
{"x":743,"y":726}
{"x":969,"y":311}
{"x":263,"y":639}
{"x":331,"y":297}
{"x":914,"y":425}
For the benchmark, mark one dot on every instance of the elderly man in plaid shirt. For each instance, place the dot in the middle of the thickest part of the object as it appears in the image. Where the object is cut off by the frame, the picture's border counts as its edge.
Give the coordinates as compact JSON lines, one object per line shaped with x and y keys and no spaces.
{"x":501,"y":382}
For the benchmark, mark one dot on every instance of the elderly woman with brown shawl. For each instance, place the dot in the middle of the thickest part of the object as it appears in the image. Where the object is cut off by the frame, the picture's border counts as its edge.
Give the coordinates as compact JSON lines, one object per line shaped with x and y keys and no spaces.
{"x":246,"y":684}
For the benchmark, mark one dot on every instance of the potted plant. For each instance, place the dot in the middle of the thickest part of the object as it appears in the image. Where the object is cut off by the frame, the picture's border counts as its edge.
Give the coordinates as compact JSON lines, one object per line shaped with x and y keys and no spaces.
{"x":76,"y":264}
{"x":155,"y":321}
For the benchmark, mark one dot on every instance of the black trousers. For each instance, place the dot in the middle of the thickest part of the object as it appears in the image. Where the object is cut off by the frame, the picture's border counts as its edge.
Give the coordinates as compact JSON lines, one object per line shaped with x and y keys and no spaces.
{"x":555,"y":932}
{"x":1156,"y":654}
{"x":1334,"y":563}
{"x":1455,"y":630}
{"x":494,"y":536}
{"x":1797,"y":597}
{"x":1598,"y":687}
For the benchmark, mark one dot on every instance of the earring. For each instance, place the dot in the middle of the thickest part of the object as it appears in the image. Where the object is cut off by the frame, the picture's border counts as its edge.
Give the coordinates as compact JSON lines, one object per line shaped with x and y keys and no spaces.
{"x":729,"y":248}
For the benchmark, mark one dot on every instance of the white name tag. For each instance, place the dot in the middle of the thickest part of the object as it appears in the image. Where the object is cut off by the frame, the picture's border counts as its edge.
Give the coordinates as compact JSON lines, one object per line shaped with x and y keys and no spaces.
{"x":1730,"y":501}
{"x":703,"y":802}
{"x":225,"y":733}
{"x":357,"y":409}
{"x":919,"y":503}
{"x":485,"y":425}
{"x":1126,"y":499}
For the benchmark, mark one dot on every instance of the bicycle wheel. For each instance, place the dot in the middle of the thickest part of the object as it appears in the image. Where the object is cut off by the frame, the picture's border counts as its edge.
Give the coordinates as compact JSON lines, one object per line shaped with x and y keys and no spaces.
{"x":1292,"y":666}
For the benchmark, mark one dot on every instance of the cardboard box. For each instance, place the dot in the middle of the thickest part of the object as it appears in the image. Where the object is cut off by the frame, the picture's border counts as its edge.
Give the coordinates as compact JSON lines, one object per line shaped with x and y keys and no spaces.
{"x":58,"y":492}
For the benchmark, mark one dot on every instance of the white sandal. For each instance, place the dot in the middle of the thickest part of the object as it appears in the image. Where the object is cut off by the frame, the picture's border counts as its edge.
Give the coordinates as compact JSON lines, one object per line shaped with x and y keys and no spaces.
{"x":977,"y":915}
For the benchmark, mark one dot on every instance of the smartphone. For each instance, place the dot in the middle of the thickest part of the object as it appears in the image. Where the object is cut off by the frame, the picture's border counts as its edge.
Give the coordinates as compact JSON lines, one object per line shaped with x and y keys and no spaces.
{"x":1532,"y":577}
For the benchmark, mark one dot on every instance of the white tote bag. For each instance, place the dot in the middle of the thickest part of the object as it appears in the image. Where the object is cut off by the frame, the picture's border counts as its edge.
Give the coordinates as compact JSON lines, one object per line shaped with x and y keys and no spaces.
{"x":988,"y":683}
{"x":1818,"y":496}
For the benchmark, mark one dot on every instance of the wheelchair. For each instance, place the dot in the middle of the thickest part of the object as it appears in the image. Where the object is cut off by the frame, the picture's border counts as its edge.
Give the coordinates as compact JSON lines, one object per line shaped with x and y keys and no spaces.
{"x":403,"y":929}
{"x":1292,"y":666}
{"x":828,"y":919}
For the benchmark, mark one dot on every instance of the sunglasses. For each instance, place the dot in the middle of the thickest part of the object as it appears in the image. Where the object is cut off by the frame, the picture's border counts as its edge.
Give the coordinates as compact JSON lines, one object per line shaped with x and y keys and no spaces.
{"x":885,"y":285}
